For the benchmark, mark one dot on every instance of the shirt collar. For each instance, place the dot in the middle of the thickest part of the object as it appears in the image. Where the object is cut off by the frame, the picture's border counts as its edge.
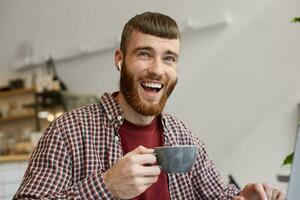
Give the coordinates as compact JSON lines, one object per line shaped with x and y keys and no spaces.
{"x":111,"y":107}
{"x":115,"y":113}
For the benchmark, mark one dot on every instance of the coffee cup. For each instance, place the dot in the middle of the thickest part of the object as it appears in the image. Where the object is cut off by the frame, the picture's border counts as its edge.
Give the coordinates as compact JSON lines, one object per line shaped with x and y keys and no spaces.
{"x":176,"y":159}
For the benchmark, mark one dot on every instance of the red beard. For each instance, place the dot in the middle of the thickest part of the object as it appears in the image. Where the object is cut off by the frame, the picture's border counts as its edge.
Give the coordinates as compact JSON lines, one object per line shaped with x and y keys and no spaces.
{"x":129,"y":88}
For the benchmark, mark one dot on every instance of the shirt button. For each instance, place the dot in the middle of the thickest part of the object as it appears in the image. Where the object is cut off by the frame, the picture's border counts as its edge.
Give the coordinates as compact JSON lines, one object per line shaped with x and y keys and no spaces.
{"x":117,"y":138}
{"x":119,"y":117}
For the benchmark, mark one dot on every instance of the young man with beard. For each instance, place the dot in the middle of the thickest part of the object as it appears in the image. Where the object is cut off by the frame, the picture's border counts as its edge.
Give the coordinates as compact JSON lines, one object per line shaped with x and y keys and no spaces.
{"x":105,"y":150}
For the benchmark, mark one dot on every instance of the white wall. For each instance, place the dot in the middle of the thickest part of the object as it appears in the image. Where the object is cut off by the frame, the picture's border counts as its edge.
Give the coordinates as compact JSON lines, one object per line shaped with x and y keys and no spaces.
{"x":238,"y":85}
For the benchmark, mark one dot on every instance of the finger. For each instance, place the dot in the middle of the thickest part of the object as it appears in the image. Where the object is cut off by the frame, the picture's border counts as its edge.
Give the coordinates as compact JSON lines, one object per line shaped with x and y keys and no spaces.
{"x":281,"y":195}
{"x":239,"y":198}
{"x":275,"y":193}
{"x":144,"y":159}
{"x":146,"y":180}
{"x":261,"y":191}
{"x":142,"y":150}
{"x":268,"y":190}
{"x":141,"y":159}
{"x":142,"y":188}
{"x":148,"y":171}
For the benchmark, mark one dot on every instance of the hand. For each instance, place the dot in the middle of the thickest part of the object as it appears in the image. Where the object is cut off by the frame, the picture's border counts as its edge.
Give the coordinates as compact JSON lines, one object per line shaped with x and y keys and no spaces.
{"x":128,"y":177}
{"x":260,"y":192}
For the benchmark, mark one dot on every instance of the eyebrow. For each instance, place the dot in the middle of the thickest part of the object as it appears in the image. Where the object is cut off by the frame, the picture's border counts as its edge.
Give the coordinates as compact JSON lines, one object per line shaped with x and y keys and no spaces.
{"x":151,"y":49}
{"x":142,"y":48}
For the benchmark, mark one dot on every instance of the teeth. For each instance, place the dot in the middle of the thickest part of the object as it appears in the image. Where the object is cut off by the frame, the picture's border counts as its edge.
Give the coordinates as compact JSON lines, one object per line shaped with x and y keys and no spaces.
{"x":153,"y":85}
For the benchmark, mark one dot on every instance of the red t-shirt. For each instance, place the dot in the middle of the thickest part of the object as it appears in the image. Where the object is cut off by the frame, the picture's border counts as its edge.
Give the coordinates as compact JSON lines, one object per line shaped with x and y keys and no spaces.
{"x":149,"y":136}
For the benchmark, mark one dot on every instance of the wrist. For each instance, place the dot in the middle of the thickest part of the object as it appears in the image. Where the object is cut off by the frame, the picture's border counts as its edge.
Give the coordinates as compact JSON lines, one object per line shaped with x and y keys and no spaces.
{"x":106,"y":180}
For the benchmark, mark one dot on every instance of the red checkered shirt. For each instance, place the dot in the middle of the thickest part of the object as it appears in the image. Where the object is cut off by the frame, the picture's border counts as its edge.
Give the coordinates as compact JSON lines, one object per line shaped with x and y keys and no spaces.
{"x":82,"y":144}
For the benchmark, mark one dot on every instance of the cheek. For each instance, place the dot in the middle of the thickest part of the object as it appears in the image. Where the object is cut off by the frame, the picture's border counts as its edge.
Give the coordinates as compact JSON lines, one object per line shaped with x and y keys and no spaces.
{"x":136,"y":69}
{"x":171,"y":74}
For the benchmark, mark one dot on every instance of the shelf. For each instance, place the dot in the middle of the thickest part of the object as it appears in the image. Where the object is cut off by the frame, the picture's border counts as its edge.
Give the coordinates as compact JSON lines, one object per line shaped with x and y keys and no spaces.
{"x":14,"y":158}
{"x":17,"y":117}
{"x":110,"y":44}
{"x":14,"y":92}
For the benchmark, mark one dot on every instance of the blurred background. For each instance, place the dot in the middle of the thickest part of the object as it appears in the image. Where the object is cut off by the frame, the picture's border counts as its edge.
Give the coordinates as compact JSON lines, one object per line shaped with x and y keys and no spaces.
{"x":238,"y":89}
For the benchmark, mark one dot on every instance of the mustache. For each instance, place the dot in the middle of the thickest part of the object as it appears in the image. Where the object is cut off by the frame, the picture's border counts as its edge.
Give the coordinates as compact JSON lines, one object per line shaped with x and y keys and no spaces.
{"x":154,"y":77}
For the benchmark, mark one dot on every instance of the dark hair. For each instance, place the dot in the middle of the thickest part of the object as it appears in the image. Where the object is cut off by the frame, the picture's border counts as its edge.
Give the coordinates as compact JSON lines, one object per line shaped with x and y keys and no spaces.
{"x":155,"y":24}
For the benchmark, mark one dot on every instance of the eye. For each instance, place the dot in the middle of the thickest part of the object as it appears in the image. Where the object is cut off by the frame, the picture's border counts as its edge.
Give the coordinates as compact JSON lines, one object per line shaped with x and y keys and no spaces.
{"x":144,"y":54}
{"x":170,"y":59}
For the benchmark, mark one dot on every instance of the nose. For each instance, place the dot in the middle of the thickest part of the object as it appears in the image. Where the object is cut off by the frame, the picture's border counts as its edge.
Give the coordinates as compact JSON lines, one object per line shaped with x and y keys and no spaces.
{"x":156,"y":68}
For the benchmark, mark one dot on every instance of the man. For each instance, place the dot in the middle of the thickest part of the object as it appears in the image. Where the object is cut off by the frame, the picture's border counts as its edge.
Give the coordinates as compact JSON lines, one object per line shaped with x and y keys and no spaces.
{"x":105,"y":150}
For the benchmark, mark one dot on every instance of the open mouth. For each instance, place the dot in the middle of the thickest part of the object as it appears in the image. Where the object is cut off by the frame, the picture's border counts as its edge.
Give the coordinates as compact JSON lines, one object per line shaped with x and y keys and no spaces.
{"x":152,"y":87}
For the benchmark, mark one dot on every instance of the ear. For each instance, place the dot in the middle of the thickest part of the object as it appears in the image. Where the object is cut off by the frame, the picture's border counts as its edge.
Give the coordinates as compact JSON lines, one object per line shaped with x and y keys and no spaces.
{"x":118,"y":59}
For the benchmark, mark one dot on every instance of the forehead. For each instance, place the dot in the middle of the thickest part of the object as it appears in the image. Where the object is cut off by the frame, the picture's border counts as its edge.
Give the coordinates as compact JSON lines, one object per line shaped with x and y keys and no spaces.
{"x":139,"y":39}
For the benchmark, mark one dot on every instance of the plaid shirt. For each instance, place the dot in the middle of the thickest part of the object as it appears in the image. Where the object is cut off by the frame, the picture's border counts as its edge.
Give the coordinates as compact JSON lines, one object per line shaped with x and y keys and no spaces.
{"x":82,"y":144}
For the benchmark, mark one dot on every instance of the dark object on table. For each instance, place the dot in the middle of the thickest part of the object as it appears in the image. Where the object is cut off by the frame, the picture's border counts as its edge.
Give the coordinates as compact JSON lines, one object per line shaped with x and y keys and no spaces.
{"x":16,"y":83}
{"x":5,"y":88}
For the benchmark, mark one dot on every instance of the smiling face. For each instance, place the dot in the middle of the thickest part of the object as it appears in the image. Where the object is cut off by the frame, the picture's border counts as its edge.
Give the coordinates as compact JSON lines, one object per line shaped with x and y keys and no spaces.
{"x":148,"y":73}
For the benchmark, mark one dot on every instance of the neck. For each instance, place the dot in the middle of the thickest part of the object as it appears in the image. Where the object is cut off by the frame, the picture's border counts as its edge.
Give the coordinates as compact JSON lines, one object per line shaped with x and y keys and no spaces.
{"x":131,"y":115}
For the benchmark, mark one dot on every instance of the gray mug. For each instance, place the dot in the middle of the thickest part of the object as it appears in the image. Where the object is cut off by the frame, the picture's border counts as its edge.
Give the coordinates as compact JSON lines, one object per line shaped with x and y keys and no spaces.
{"x":176,"y":159}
